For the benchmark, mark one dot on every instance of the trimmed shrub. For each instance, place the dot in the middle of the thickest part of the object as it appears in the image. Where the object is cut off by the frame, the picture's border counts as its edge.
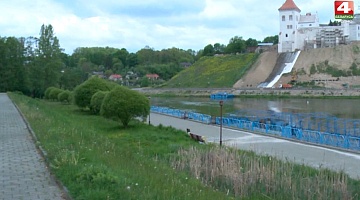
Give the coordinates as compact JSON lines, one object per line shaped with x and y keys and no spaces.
{"x":53,"y":95}
{"x":47,"y":92}
{"x":65,"y":96}
{"x":84,"y":91}
{"x":96,"y":101}
{"x":124,"y":105}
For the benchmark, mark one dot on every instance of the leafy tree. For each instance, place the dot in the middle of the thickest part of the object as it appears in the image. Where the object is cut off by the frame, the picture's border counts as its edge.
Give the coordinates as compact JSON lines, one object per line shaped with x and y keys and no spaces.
{"x":45,"y":70}
{"x":236,"y":45}
{"x":208,"y":50}
{"x":272,"y":39}
{"x":47,"y":92}
{"x":144,"y":82}
{"x":219,"y":48}
{"x":124,"y":104}
{"x":84,"y":92}
{"x":54,"y":93}
{"x":13,"y":74}
{"x":64,"y":96}
{"x":96,"y":101}
{"x":251,"y":42}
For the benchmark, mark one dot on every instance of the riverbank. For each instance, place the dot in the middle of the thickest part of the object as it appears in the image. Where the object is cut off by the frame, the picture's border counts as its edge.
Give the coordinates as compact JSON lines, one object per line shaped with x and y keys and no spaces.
{"x":255,"y":92}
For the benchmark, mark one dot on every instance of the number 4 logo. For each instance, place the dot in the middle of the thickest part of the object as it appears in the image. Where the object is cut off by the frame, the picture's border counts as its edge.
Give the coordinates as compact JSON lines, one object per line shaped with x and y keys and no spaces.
{"x":344,"y":9}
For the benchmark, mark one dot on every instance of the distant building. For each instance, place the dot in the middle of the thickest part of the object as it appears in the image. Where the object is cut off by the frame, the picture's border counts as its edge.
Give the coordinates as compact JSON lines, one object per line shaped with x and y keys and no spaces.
{"x":185,"y":64}
{"x":302,"y":32}
{"x":152,"y":76}
{"x":115,"y":77}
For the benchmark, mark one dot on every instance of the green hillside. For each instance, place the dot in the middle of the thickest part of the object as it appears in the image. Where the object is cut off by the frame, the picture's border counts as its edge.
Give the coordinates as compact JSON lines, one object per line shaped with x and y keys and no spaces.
{"x":213,"y":72}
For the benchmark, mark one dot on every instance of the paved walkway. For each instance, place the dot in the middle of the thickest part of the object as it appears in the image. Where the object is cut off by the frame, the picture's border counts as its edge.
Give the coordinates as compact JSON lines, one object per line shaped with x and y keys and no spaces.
{"x":314,"y":156}
{"x":23,"y":173}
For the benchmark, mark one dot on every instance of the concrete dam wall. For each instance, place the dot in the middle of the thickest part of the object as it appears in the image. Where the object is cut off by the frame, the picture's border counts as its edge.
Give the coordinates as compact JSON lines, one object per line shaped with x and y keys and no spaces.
{"x":284,"y":64}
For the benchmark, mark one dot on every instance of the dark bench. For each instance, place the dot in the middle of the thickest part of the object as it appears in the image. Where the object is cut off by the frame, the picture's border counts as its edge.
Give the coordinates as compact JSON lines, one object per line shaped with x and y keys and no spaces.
{"x":195,"y":137}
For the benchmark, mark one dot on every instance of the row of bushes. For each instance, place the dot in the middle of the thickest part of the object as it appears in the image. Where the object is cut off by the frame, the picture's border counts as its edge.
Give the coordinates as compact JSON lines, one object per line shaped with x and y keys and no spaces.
{"x":105,"y":98}
{"x":57,"y":94}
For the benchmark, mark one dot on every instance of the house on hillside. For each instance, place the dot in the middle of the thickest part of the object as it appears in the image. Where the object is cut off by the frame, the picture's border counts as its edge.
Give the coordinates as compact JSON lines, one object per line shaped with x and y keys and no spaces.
{"x":115,"y":77}
{"x":98,"y":74}
{"x":185,"y":64}
{"x":152,"y":76}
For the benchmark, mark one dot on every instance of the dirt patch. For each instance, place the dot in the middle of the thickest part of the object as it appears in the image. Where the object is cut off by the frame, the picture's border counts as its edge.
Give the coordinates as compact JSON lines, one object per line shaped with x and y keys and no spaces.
{"x":340,"y":57}
{"x":260,"y":70}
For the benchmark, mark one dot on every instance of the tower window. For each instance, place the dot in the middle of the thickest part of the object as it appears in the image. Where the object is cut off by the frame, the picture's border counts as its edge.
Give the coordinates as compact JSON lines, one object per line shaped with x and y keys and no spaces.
{"x":290,"y":18}
{"x":289,"y":26}
{"x":286,"y":35}
{"x":283,"y":18}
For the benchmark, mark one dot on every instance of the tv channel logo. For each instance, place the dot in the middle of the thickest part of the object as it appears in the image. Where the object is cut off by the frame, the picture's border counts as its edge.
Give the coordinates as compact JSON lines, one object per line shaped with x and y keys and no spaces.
{"x":344,"y":10}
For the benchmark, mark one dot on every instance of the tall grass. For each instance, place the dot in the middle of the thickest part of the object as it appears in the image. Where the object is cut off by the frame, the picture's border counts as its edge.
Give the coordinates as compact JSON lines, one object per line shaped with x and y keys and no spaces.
{"x":212,"y":72}
{"x":96,"y":158}
{"x":247,"y":175}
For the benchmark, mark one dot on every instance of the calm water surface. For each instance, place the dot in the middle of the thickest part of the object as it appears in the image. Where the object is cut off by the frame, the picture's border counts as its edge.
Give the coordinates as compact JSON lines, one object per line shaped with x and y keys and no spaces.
{"x":341,"y":108}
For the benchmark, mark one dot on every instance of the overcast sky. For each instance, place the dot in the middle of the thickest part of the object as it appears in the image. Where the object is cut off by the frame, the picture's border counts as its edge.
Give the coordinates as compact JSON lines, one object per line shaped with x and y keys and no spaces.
{"x":159,"y":24}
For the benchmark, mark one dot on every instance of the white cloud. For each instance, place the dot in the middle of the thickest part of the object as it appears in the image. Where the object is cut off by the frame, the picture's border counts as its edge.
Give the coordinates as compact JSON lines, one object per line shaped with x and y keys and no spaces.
{"x":157,"y":23}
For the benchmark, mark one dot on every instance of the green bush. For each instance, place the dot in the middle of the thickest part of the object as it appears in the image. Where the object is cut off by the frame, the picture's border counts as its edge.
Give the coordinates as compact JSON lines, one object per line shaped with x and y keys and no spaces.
{"x":84,"y":92}
{"x":65,"y":96}
{"x":124,"y":104}
{"x":96,"y":101}
{"x":53,"y":95}
{"x":47,"y":92}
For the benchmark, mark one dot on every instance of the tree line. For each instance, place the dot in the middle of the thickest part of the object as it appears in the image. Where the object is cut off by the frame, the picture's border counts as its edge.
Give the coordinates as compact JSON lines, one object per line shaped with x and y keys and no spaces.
{"x":30,"y":65}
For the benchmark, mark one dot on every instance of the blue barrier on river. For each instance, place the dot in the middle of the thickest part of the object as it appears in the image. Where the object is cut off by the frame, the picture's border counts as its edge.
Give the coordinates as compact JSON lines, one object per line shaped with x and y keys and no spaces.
{"x":279,"y":129}
{"x":221,"y":96}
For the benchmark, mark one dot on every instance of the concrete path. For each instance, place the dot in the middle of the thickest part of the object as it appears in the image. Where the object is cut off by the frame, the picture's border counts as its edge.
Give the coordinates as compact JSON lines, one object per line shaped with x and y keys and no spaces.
{"x":310,"y":155}
{"x":23,"y":173}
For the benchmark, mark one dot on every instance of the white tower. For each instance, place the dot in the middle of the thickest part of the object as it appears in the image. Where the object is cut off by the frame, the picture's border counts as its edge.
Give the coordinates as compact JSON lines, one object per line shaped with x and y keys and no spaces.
{"x":289,"y":16}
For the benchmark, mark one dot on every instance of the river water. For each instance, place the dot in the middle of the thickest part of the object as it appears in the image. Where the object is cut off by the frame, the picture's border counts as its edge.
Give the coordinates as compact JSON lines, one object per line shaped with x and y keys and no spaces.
{"x":340,"y":108}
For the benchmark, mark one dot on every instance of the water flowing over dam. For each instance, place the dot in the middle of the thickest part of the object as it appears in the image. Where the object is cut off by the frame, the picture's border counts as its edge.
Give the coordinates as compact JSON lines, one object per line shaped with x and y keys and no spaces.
{"x":284,"y":64}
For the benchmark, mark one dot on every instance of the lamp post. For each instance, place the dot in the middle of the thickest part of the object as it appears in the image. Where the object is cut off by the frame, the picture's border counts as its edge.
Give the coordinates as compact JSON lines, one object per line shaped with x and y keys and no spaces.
{"x":150,"y":108}
{"x":221,"y":121}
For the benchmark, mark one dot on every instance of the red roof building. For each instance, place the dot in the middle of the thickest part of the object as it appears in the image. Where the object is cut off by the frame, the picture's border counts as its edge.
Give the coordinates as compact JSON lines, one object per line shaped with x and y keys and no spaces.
{"x":115,"y":77}
{"x":152,"y":76}
{"x":289,"y":5}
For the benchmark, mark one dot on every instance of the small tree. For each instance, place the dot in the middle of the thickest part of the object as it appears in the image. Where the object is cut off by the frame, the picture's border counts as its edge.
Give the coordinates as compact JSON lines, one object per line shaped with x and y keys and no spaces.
{"x":47,"y":92}
{"x":65,"y":96}
{"x":53,"y":95}
{"x":84,"y":92}
{"x":124,"y":104}
{"x":96,"y":101}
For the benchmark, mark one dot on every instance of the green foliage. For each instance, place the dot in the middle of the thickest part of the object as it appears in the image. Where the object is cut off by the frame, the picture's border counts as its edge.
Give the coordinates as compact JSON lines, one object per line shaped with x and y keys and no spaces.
{"x":145,"y":82}
{"x":272,"y":39}
{"x":218,"y":71}
{"x":65,"y":96}
{"x":208,"y":50}
{"x":47,"y":92}
{"x":54,"y":93}
{"x":236,"y":45}
{"x":13,"y":74}
{"x":99,"y":160}
{"x":96,"y":101}
{"x":313,"y":69}
{"x":84,"y":92}
{"x":124,"y":104}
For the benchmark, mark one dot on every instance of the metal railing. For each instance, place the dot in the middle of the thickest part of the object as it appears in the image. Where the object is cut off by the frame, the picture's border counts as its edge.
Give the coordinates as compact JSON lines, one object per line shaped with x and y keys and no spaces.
{"x":285,"y":131}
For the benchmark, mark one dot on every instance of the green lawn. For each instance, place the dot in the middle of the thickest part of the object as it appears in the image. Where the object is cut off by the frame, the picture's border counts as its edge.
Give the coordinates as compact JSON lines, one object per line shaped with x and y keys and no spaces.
{"x":96,"y":158}
{"x":213,"y":72}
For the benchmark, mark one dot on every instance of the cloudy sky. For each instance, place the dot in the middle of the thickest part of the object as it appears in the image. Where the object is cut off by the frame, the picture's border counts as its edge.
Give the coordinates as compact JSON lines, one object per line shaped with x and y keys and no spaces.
{"x":159,"y":24}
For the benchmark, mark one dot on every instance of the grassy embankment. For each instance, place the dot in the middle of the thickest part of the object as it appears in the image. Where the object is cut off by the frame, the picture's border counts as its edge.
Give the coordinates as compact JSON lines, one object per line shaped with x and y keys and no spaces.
{"x":213,"y":72}
{"x":97,"y":159}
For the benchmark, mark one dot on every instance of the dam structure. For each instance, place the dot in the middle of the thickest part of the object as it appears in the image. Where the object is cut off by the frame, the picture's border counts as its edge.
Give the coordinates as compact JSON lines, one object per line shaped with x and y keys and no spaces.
{"x":284,"y":64}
